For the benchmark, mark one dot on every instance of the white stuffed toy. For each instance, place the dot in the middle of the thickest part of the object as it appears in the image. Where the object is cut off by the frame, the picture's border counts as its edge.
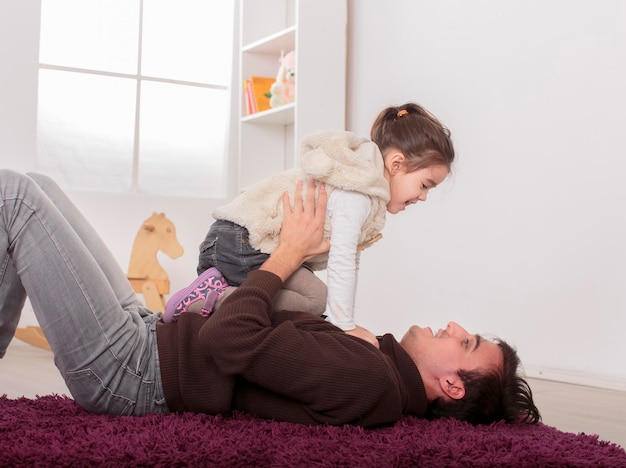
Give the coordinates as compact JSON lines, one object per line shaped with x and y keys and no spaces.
{"x":283,"y":91}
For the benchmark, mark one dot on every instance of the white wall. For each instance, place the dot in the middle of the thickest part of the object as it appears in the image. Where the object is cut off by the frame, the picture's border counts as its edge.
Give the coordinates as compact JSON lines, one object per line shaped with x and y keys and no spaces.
{"x":525,"y":241}
{"x":19,"y":43}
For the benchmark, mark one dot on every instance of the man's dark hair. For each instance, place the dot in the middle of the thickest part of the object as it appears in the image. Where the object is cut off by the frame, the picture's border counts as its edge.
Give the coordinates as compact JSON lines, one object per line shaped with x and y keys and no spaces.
{"x":491,"y":396}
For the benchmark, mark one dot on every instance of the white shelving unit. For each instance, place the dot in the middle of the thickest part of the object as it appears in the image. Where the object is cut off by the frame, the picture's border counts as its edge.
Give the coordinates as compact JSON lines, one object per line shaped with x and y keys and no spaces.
{"x":316,"y":29}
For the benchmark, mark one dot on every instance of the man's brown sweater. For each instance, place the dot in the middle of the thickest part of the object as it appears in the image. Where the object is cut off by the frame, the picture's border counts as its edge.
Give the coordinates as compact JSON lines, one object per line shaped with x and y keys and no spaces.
{"x":288,"y":366}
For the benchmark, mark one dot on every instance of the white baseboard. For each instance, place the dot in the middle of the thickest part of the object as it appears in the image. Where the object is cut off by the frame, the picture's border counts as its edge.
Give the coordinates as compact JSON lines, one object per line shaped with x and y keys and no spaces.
{"x":577,"y":378}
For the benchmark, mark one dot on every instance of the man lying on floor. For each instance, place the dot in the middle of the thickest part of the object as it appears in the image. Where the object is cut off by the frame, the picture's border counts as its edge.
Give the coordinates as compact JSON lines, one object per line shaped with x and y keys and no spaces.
{"x":116,"y":357}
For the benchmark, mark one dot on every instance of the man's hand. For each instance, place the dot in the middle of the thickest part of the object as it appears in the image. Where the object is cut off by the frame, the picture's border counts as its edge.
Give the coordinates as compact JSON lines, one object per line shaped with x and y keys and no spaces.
{"x":302,"y":233}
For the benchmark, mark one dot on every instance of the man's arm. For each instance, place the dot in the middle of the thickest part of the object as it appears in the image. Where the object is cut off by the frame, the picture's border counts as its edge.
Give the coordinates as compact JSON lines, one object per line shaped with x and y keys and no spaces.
{"x":303,"y":370}
{"x":302,"y":233}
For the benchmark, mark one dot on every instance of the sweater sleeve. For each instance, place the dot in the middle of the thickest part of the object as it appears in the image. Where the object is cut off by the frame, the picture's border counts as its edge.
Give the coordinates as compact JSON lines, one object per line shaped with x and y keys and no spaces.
{"x":347,"y":212}
{"x":332,"y":376}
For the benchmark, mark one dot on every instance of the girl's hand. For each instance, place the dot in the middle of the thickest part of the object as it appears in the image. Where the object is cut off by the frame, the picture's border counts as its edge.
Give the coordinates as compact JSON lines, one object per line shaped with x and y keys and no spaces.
{"x":364,"y":334}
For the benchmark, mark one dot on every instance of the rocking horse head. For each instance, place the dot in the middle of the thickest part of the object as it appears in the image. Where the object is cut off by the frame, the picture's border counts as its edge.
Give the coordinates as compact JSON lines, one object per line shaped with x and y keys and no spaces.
{"x":161,"y":233}
{"x":156,"y":233}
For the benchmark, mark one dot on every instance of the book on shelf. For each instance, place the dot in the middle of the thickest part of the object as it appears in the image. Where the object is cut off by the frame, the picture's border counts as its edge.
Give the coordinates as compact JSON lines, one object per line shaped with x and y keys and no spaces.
{"x":247,"y":86}
{"x":257,"y":92}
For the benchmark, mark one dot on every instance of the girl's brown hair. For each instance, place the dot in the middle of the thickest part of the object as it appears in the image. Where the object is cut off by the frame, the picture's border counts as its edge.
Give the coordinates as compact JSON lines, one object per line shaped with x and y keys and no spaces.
{"x":416,"y":133}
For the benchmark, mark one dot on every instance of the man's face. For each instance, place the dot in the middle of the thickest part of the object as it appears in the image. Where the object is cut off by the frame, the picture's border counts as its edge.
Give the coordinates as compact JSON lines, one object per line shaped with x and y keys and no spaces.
{"x":439,"y":356}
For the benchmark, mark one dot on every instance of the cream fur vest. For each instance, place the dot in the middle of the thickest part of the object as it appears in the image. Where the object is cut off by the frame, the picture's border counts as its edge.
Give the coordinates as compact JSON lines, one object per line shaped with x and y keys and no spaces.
{"x":338,"y":159}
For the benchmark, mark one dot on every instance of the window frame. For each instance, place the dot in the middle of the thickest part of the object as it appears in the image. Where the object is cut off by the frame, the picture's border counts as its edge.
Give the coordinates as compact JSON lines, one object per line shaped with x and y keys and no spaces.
{"x":139,"y":78}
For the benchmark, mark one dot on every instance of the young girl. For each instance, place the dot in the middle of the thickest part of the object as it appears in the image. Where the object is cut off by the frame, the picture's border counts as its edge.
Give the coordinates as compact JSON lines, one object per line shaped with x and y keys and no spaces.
{"x":410,"y":152}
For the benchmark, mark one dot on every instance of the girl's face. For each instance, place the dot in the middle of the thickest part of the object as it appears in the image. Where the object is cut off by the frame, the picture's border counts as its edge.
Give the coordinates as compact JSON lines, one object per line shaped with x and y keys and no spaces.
{"x":407,"y":188}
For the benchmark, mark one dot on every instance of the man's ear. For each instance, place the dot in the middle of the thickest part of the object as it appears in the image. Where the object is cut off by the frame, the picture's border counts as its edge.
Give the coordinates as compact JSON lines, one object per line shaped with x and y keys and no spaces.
{"x":452,"y":386}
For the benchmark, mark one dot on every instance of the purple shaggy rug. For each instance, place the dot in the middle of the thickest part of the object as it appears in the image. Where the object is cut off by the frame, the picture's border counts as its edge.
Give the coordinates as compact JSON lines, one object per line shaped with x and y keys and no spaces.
{"x":54,"y":431}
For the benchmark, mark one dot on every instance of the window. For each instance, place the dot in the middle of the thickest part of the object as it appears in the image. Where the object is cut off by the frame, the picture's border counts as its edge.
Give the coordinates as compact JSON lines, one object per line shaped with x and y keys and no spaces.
{"x":134,"y":95}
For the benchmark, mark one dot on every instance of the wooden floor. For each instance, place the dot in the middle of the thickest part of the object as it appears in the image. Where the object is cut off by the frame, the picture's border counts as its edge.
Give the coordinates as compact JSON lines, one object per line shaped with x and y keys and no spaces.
{"x":29,"y":371}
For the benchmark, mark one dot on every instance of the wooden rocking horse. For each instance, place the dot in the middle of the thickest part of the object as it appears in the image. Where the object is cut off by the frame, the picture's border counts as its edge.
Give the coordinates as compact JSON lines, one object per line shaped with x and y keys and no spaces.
{"x":145,"y":274}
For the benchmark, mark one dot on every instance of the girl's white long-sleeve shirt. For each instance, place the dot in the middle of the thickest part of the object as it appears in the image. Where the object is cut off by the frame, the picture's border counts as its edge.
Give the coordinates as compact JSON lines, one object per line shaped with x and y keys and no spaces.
{"x":352,"y":168}
{"x":348,"y":211}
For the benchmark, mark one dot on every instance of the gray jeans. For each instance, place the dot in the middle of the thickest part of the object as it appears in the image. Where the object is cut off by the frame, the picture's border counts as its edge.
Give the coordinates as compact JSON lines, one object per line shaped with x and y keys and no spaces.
{"x":227,"y":248}
{"x":103,"y":338}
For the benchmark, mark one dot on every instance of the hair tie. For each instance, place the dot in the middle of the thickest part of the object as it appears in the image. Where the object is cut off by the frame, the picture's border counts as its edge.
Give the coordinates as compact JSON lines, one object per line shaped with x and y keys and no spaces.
{"x":401,"y":113}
